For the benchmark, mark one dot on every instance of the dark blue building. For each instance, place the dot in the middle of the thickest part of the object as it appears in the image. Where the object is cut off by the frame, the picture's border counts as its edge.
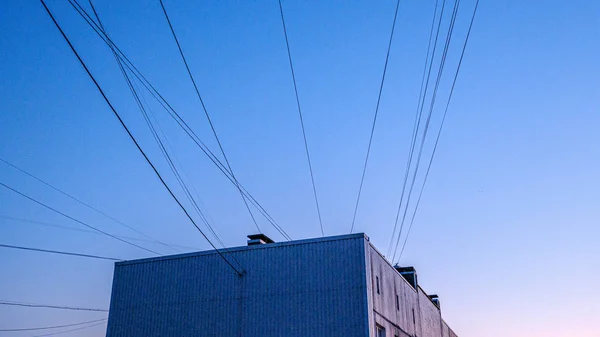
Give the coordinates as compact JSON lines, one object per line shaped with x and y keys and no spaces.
{"x":331,"y":286}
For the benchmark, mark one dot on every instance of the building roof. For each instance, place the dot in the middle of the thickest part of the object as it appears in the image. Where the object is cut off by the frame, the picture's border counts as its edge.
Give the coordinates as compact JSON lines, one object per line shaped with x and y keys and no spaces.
{"x":242,"y":248}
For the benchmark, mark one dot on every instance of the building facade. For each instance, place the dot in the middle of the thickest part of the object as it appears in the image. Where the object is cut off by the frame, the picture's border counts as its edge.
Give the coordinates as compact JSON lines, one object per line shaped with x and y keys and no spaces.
{"x":331,"y":286}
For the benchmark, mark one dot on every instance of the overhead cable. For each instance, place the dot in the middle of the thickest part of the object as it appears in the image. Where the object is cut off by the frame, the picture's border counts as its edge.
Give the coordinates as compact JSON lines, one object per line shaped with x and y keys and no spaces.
{"x":364,"y":170}
{"x":161,"y":145}
{"x":76,"y":220}
{"x":208,"y":116}
{"x":312,"y":177}
{"x":62,"y":253}
{"x":82,"y":230}
{"x":48,"y":306}
{"x":240,"y":273}
{"x":415,"y":124}
{"x":71,"y":330}
{"x":429,"y":115}
{"x":418,"y":116}
{"x":53,"y":327}
{"x":440,"y":129}
{"x":175,"y":116}
{"x":70,"y":196}
{"x":155,"y":134}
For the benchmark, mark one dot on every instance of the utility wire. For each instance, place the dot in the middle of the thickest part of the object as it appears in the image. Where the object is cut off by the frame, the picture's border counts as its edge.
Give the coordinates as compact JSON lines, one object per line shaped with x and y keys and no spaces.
{"x":53,"y":327}
{"x":42,"y":223}
{"x":168,"y":158}
{"x":59,"y":252}
{"x":81,"y":230}
{"x":312,"y":177}
{"x":31,"y":305}
{"x":387,"y":56}
{"x":440,"y":129}
{"x":173,"y":113}
{"x":415,"y":125}
{"x":76,"y":220}
{"x":207,"y":115}
{"x":84,"y":203}
{"x":172,"y":164}
{"x":418,"y":115}
{"x":179,"y":177}
{"x":134,"y":140}
{"x":66,"y":331}
{"x":157,"y":137}
{"x":176,"y":117}
{"x":163,"y":149}
{"x":428,"y":120}
{"x":161,"y":145}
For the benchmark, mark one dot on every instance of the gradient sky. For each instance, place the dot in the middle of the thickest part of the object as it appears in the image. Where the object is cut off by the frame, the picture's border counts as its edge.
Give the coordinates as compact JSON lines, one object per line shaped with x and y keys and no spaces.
{"x":507,"y":233}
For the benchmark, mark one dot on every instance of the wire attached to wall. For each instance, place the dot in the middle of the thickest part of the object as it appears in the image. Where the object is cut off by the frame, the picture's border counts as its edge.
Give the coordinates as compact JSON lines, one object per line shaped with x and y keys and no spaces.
{"x":239,"y":272}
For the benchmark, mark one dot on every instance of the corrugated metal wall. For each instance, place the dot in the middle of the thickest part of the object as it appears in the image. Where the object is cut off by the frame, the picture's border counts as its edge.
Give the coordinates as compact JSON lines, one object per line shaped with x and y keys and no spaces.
{"x":304,"y":288}
{"x":398,"y":319}
{"x":431,"y":319}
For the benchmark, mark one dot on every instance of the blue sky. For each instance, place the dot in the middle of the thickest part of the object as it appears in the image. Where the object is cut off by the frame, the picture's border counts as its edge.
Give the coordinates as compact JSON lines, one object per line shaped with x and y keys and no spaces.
{"x":507,"y":229}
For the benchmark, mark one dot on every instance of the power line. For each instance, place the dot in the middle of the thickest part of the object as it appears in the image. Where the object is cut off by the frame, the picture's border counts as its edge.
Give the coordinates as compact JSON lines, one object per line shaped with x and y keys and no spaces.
{"x":441,"y":127}
{"x":77,"y":329}
{"x":175,"y":116}
{"x":162,"y":147}
{"x":60,"y":252}
{"x":47,"y":306}
{"x":76,"y":220}
{"x":176,"y":172}
{"x":83,"y":203}
{"x":53,"y":225}
{"x":134,"y":140}
{"x":206,"y":114}
{"x":418,"y":115}
{"x":173,"y":113}
{"x":170,"y":162}
{"x":415,"y":125}
{"x":42,"y":223}
{"x":312,"y":178}
{"x":387,"y":56}
{"x":430,"y":113}
{"x":168,"y":158}
{"x":53,"y":327}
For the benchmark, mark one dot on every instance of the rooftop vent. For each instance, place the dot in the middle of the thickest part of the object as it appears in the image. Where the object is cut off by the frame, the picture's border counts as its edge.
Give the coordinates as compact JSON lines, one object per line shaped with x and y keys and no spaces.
{"x":258,"y":239}
{"x":435,"y":299}
{"x":409,"y":274}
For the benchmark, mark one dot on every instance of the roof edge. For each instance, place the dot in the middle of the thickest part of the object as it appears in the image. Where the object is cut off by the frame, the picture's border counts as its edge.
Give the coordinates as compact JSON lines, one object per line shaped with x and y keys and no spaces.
{"x":243,"y":248}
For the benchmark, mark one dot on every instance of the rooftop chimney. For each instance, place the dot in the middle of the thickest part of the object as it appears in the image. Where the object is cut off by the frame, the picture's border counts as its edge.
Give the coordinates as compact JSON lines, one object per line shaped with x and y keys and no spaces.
{"x":435,"y":299}
{"x":258,"y":239}
{"x":409,"y":273}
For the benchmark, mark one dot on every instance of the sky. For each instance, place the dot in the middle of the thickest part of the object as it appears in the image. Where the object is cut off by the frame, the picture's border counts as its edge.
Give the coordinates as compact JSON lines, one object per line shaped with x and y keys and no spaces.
{"x":507,"y":228}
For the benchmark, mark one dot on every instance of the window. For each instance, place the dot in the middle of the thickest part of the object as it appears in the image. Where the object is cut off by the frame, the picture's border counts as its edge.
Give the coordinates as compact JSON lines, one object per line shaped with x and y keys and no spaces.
{"x":377,"y":283}
{"x":414,"y":320}
{"x":397,"y":303}
{"x":380,"y":331}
